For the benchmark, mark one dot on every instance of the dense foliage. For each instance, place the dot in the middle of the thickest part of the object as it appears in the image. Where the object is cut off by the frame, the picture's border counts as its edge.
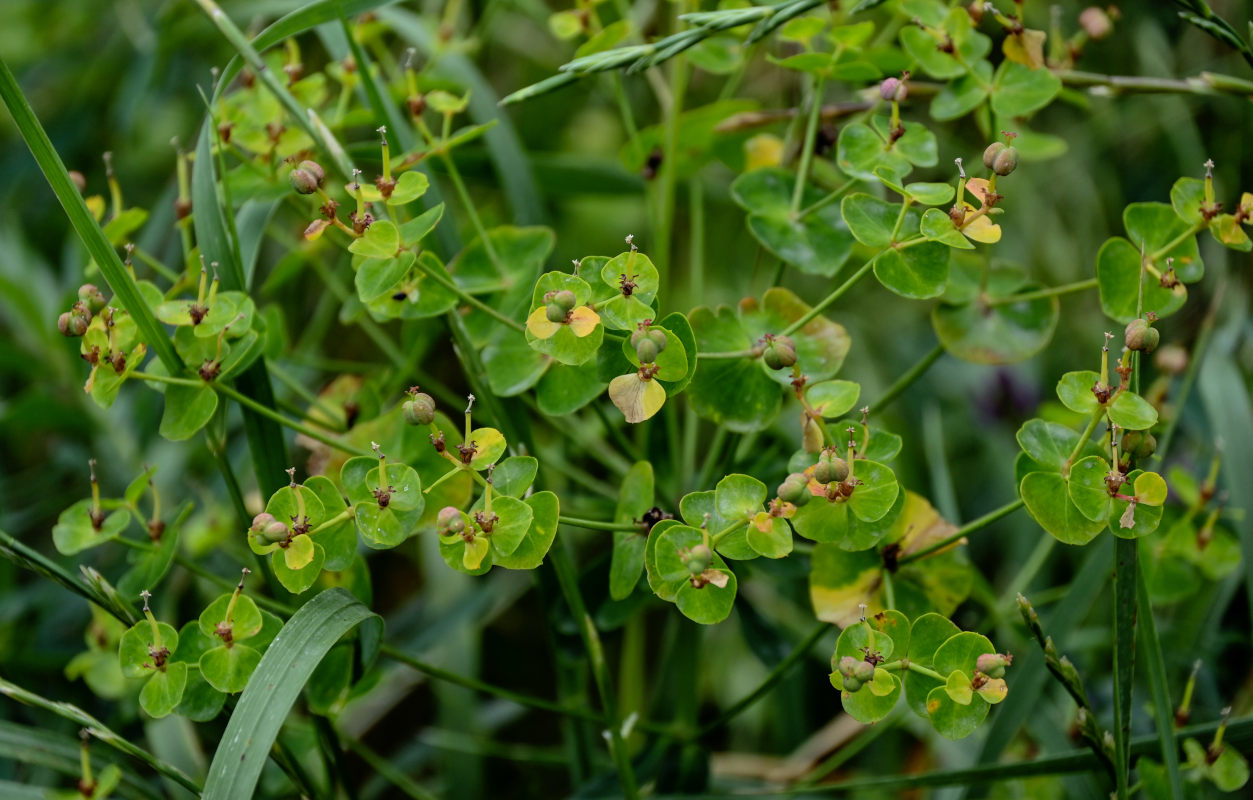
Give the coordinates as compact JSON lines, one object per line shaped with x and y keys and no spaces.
{"x":508,"y":399}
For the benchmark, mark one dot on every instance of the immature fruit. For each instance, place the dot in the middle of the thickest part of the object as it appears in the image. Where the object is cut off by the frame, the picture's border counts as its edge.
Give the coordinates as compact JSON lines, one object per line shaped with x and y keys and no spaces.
{"x":794,"y":490}
{"x":698,"y":559}
{"x":1140,"y":335}
{"x":993,"y":150}
{"x":564,"y":300}
{"x":1171,"y":358}
{"x":314,"y":169}
{"x":92,"y":297}
{"x":555,"y":313}
{"x":851,"y":685}
{"x":646,"y":350}
{"x":1005,"y":162}
{"x":419,"y":409}
{"x":992,"y":664}
{"x":658,"y":338}
{"x":450,"y":521}
{"x":303,"y":181}
{"x":893,"y":89}
{"x":1138,"y":444}
{"x":863,"y":671}
{"x":780,"y":352}
{"x":1095,"y":23}
{"x":268,"y":528}
{"x":70,"y":324}
{"x":830,"y":468}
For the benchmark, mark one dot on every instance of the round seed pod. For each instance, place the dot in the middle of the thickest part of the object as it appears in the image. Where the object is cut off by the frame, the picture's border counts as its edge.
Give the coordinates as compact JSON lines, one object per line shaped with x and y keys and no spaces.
{"x":303,"y":181}
{"x":646,"y":349}
{"x":555,"y":313}
{"x":565,"y":300}
{"x":830,"y":468}
{"x":1141,"y":336}
{"x":419,"y":409}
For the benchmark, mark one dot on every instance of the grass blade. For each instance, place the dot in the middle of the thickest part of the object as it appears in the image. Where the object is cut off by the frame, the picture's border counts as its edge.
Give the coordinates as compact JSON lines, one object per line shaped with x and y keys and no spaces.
{"x":1158,"y":685}
{"x":35,"y":561}
{"x":274,"y":686}
{"x":98,"y":731}
{"x":1126,"y":563}
{"x":84,"y":223}
{"x":37,"y":747}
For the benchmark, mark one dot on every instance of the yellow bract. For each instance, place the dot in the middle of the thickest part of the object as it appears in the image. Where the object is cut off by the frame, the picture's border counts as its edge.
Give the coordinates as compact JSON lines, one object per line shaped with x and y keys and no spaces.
{"x":763,"y":150}
{"x":476,"y":551}
{"x":583,"y":320}
{"x":1026,"y":48}
{"x":635,"y":397}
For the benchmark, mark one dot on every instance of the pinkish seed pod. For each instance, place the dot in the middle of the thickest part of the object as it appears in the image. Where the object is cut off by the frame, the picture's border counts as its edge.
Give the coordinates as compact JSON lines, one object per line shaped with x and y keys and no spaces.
{"x":1006,"y":161}
{"x":893,"y":89}
{"x":450,"y":521}
{"x":658,"y":337}
{"x":1141,"y":336}
{"x":1171,"y":359}
{"x":92,"y":297}
{"x":71,"y":324}
{"x":864,"y":671}
{"x":830,"y":468}
{"x":1095,"y":23}
{"x":794,"y":490}
{"x":992,"y":664}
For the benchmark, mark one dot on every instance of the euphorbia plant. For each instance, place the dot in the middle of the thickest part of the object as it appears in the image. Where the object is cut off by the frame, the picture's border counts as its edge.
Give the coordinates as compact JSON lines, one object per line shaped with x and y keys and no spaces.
{"x":726,"y":447}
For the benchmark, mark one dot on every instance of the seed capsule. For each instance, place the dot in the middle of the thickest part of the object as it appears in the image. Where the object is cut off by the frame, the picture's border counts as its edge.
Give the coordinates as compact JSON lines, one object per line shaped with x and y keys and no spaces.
{"x":92,"y":297}
{"x":1140,"y":335}
{"x":565,"y":300}
{"x":1138,"y":444}
{"x":70,"y":324}
{"x":991,"y":152}
{"x":698,"y":559}
{"x":314,"y":169}
{"x":450,"y":521}
{"x":992,"y":664}
{"x":555,"y":313}
{"x":419,"y":409}
{"x":1005,"y":162}
{"x":658,"y":338}
{"x":863,"y":671}
{"x":646,"y":349}
{"x":830,"y":468}
{"x":780,"y":352}
{"x":794,"y":490}
{"x":893,"y":89}
{"x":303,"y":181}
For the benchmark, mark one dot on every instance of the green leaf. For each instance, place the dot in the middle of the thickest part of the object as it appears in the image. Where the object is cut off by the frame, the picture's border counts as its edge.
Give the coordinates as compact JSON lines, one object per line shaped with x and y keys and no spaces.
{"x":963,"y":95}
{"x":187,"y":410}
{"x":134,"y":648}
{"x":709,"y":604}
{"x":513,"y":525}
{"x":961,"y":651}
{"x":74,"y":531}
{"x":491,"y":446}
{"x":1075,"y":391}
{"x":277,"y":681}
{"x":1150,"y":489}
{"x":297,"y":581}
{"x":530,"y":552}
{"x":924,"y":49}
{"x":246,"y":618}
{"x":918,"y":272}
{"x":862,"y":153}
{"x":635,"y":498}
{"x":228,"y":669}
{"x":403,"y":487}
{"x":340,"y":540}
{"x":730,"y":391}
{"x":377,"y":276}
{"x":832,"y":399}
{"x":1020,"y":90}
{"x":853,"y":524}
{"x":739,"y":497}
{"x":817,"y":244}
{"x":951,"y":719}
{"x":163,"y":691}
{"x":1088,"y":490}
{"x":821,"y":344}
{"x":1048,"y":501}
{"x":381,"y":240}
{"x":514,"y":476}
{"x":927,"y":633}
{"x":1005,"y":333}
{"x":672,"y":362}
{"x":917,"y":145}
{"x":416,"y":229}
{"x":957,"y":687}
{"x":870,"y":219}
{"x":563,"y":390}
{"x":876,"y":490}
{"x":1118,"y":277}
{"x":384,"y":528}
{"x":514,"y":364}
{"x":769,"y":536}
{"x":1051,"y":443}
{"x":1186,"y":197}
{"x":938,"y":226}
{"x":1155,"y":225}
{"x":931,"y":194}
{"x":409,"y":187}
{"x":694,"y":507}
{"x":1132,"y":412}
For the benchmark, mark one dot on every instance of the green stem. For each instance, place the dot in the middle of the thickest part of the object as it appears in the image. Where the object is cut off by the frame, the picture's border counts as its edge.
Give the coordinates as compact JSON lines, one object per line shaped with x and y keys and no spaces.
{"x":1083,"y":440}
{"x":464,"y":195}
{"x":830,"y":198}
{"x":960,"y":533}
{"x":1205,"y":83}
{"x":776,"y":674}
{"x":384,"y":768}
{"x":466,"y":297}
{"x":751,"y":352}
{"x":265,"y":411}
{"x":831,"y":298}
{"x":1125,"y":569}
{"x":906,"y":380}
{"x":1196,"y":228}
{"x":595,"y":525}
{"x":1077,"y":286}
{"x":569,"y":582}
{"x":666,"y":186}
{"x":921,"y":670}
{"x":807,"y":149}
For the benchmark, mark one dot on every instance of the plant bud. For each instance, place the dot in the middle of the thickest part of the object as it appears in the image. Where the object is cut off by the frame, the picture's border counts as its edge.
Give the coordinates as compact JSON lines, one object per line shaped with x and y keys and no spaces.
{"x":646,"y":349}
{"x":658,"y":337}
{"x":638,"y":335}
{"x":1005,"y":162}
{"x":1095,"y":23}
{"x":450,"y":521}
{"x":555,"y":313}
{"x":260,"y":521}
{"x":830,"y":468}
{"x":1171,"y":359}
{"x":863,"y":671}
{"x":993,"y":150}
{"x":565,"y":300}
{"x":89,"y":294}
{"x":1138,"y":444}
{"x":275,"y":532}
{"x":419,"y":409}
{"x":794,"y":490}
{"x":303,"y":181}
{"x":992,"y":664}
{"x":780,"y":352}
{"x":851,"y":685}
{"x":314,"y":169}
{"x":893,"y":89}
{"x":70,"y":324}
{"x":847,"y":665}
{"x":1140,"y":335}
{"x":698,"y":559}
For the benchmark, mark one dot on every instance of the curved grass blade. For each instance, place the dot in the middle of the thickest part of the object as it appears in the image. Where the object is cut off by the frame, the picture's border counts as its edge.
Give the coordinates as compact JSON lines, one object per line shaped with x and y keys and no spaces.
{"x":274,"y":686}
{"x":34,"y":746}
{"x":35,"y":561}
{"x":98,"y":731}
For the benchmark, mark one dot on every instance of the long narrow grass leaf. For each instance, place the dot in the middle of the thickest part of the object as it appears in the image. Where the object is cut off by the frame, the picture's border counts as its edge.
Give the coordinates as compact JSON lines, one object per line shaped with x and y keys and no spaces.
{"x":1158,"y":685}
{"x":274,"y":686}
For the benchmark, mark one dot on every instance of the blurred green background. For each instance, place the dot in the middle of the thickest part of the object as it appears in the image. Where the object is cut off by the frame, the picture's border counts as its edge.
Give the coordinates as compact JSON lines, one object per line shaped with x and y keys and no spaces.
{"x":123,"y":77}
